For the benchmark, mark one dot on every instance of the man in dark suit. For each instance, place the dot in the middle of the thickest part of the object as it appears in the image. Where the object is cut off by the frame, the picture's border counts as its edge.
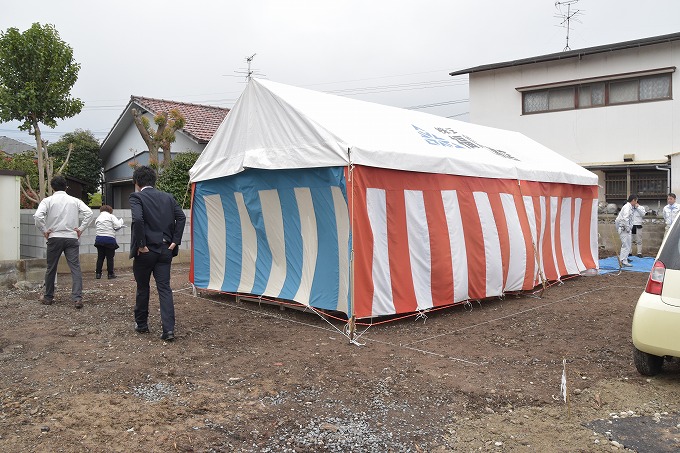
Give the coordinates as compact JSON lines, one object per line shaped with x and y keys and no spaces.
{"x":157,"y":227}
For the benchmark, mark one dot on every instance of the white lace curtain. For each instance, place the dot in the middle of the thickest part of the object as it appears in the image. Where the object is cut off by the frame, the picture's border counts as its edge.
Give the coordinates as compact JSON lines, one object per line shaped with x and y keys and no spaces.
{"x":620,"y":91}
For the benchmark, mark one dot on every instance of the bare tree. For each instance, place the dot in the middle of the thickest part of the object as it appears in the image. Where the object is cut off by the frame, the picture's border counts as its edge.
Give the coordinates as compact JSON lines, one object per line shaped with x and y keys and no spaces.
{"x":47,"y":162}
{"x":163,"y":136}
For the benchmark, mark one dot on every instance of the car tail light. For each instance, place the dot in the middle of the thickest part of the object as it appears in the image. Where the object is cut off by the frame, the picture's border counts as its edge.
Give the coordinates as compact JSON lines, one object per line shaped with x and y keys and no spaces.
{"x":655,"y":281}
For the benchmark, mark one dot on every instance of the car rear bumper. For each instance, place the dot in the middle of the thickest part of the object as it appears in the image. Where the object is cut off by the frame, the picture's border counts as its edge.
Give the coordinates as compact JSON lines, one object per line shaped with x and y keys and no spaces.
{"x":656,"y":326}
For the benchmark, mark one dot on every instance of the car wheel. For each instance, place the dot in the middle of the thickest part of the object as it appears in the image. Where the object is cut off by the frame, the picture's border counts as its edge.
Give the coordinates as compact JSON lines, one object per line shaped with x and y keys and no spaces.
{"x":647,"y":364}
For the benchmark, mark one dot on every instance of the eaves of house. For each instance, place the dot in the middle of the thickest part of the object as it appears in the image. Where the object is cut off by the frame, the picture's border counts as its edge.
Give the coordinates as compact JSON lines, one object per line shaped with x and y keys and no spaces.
{"x":579,"y":53}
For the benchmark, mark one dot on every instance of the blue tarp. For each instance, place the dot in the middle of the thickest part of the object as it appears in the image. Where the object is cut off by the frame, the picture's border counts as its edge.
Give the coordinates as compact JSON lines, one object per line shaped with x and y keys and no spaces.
{"x":611,"y":264}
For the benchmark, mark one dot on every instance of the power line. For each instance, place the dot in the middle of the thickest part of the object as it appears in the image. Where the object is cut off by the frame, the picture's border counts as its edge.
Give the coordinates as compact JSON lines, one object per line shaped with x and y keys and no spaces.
{"x":437,"y":104}
{"x":443,"y":71}
{"x":398,"y":87}
{"x":111,"y":104}
{"x":102,"y":105}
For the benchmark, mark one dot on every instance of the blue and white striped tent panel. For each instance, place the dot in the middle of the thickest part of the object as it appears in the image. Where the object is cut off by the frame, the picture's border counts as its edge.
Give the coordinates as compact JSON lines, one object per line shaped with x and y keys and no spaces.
{"x":282,"y":234}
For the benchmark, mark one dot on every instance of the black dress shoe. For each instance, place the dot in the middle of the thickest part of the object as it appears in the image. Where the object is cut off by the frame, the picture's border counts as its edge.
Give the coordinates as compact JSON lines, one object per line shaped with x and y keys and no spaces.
{"x":112,"y":276}
{"x":98,"y":275}
{"x":168,"y":336}
{"x":141,"y":329}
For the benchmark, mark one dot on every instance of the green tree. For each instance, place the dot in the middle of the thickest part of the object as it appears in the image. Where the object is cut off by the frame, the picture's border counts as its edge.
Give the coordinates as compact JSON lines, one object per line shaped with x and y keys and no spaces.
{"x":37,"y":73}
{"x":175,"y":177}
{"x":84,"y":162}
{"x":25,"y":162}
{"x":95,"y":200}
{"x":163,"y":136}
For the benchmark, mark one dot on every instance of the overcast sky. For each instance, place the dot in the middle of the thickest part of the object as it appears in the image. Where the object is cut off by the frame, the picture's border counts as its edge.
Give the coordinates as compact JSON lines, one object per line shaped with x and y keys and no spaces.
{"x":394,"y":52}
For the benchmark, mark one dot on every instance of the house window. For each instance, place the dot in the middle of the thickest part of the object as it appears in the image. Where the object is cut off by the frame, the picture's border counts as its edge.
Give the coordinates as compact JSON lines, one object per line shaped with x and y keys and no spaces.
{"x":615,"y":185}
{"x":591,"y":95}
{"x":549,"y":100}
{"x":536,"y":101}
{"x":645,"y":184}
{"x":655,"y":88}
{"x":649,"y":184}
{"x":626,"y":91}
{"x":608,"y":92}
{"x":561,"y":98}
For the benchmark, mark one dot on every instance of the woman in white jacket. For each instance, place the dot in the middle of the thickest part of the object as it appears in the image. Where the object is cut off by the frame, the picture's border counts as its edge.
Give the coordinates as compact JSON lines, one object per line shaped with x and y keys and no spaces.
{"x":107,"y":224}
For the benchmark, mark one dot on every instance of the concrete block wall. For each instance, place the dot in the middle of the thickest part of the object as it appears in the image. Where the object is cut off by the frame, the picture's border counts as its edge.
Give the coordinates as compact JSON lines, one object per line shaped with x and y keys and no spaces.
{"x":33,"y":244}
{"x":30,"y":272}
{"x":653,"y":229}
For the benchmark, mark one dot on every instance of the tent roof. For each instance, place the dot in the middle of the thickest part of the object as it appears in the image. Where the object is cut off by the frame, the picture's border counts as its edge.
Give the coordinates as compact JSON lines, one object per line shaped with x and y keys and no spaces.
{"x":276,"y":126}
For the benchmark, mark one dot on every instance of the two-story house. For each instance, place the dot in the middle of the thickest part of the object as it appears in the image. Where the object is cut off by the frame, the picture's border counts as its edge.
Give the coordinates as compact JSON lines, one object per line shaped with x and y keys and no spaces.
{"x":609,"y":108}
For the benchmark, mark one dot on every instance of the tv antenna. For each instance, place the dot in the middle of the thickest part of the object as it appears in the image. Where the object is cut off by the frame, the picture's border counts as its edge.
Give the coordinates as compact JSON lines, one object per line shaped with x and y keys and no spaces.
{"x":249,"y":73}
{"x":567,"y":17}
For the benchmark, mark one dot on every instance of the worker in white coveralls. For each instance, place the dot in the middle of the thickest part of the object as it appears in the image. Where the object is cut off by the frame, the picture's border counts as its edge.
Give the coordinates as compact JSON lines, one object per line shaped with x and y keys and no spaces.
{"x":638,"y":214}
{"x":624,"y":225}
{"x":670,"y":211}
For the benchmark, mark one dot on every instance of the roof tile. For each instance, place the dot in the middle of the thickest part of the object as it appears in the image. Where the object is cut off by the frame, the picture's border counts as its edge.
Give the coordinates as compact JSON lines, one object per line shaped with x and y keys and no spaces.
{"x":202,"y":121}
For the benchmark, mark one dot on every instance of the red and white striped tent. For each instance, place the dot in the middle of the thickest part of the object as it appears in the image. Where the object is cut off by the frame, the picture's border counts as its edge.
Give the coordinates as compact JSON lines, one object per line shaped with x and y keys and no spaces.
{"x":372,"y":210}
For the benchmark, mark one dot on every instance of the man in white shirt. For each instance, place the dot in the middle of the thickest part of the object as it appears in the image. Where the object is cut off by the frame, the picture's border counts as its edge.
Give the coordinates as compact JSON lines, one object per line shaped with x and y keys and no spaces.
{"x":638,"y":214}
{"x":57,"y":218}
{"x":624,"y":225}
{"x":670,"y":211}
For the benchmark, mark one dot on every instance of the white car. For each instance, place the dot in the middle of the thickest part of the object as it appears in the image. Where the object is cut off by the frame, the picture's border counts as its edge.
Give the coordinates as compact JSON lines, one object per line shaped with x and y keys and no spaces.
{"x":656,"y":322}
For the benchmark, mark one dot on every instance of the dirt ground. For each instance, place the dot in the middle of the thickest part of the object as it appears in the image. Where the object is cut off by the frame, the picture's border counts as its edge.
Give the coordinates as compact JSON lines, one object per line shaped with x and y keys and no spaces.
{"x":246,"y":377}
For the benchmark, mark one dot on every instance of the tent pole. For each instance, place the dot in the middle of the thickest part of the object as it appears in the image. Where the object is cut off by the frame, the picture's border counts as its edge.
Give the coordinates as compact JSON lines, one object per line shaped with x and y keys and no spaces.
{"x":352,"y":318}
{"x":544,"y":284}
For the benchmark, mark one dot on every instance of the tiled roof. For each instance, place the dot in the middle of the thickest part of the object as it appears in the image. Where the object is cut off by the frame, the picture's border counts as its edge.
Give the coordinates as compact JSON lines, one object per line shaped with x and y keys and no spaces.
{"x":201,"y":120}
{"x":11,"y":146}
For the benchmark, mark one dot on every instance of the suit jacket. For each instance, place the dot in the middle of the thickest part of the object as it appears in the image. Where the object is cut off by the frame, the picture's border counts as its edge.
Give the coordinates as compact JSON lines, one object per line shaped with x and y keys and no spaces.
{"x":157,"y":221}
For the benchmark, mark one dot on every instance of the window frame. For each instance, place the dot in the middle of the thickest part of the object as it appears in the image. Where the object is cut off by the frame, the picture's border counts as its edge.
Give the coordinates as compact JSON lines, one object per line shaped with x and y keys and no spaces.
{"x":576,"y":86}
{"x":615,"y":184}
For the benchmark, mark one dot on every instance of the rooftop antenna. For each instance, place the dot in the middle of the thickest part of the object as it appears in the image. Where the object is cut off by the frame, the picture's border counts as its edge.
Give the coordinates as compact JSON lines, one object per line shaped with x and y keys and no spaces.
{"x":249,"y":73}
{"x":249,"y":60}
{"x":567,"y":17}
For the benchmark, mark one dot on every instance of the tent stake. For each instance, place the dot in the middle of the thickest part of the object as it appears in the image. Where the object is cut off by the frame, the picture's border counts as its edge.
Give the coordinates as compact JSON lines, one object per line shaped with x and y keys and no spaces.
{"x":352,"y":328}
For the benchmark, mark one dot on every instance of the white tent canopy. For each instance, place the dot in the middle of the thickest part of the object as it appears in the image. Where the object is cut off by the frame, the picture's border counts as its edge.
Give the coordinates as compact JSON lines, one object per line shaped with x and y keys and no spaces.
{"x":275,"y":126}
